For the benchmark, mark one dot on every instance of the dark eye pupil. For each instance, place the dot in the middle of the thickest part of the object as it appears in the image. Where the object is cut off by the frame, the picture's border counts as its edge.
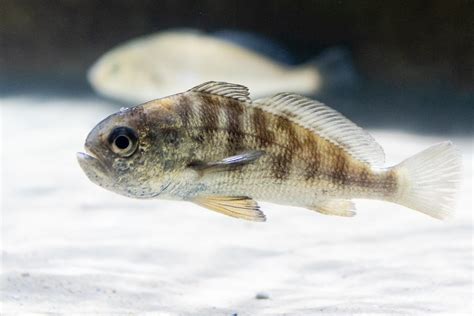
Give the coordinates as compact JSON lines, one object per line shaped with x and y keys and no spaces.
{"x":122,"y":142}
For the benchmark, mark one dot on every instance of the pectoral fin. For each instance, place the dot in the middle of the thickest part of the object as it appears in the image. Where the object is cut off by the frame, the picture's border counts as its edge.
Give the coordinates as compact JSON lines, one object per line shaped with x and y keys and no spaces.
{"x":227,"y":163}
{"x":241,"y":207}
{"x":335,"y":207}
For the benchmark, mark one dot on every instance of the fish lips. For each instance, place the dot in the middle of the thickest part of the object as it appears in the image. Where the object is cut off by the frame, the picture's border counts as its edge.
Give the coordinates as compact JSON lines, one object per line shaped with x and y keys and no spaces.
{"x":93,"y":168}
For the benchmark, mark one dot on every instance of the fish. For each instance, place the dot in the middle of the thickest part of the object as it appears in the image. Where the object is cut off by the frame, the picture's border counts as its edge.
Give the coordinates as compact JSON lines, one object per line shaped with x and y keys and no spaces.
{"x":216,"y":147}
{"x":257,"y":43}
{"x":169,"y":62}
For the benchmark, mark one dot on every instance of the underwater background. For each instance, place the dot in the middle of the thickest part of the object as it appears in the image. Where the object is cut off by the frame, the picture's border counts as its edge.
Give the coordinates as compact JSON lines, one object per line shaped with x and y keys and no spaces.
{"x":69,"y":247}
{"x":412,"y":58}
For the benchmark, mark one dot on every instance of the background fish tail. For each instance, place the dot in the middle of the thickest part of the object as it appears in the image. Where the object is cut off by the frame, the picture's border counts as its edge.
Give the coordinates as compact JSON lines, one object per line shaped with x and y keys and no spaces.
{"x":335,"y":68}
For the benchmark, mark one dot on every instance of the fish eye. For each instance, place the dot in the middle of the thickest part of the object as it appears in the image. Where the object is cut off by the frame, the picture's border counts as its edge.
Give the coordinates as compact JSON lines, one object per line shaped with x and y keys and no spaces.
{"x":123,"y":141}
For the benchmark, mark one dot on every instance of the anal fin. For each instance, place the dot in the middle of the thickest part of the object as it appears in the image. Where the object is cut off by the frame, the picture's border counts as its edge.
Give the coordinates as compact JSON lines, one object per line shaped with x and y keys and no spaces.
{"x":335,"y":207}
{"x":241,"y":207}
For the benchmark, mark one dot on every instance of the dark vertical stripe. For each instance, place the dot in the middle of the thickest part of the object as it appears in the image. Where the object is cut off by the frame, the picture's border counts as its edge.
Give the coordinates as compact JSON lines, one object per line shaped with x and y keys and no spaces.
{"x":260,"y":124}
{"x":235,"y":133}
{"x":183,"y":109}
{"x":314,"y":160}
{"x":390,"y":183}
{"x":281,"y":166}
{"x":340,"y":167}
{"x":209,"y":114}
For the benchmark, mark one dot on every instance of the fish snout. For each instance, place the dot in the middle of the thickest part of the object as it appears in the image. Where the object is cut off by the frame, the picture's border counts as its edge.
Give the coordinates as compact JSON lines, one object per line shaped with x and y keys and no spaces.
{"x":92,"y":167}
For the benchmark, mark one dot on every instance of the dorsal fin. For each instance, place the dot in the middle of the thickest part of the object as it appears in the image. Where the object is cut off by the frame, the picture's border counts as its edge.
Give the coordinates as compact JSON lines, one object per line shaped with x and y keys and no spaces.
{"x":327,"y":123}
{"x":224,"y":89}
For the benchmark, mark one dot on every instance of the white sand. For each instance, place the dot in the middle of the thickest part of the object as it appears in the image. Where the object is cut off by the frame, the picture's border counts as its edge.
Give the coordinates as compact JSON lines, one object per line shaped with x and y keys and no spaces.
{"x":69,"y":246}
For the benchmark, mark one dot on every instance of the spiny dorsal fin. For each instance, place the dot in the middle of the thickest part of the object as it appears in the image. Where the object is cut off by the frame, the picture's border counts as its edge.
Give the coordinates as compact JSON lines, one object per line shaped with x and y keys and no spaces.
{"x":327,"y":123}
{"x":224,"y":89}
{"x":241,"y":207}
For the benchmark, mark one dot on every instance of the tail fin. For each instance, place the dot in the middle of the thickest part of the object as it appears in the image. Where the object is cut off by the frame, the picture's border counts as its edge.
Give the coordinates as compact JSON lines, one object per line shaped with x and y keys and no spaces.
{"x":429,"y":180}
{"x":336,"y":69}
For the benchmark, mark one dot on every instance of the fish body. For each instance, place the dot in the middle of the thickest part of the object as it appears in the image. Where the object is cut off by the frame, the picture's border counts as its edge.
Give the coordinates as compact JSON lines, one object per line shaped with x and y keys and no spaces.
{"x":170,"y":62}
{"x":214,"y":146}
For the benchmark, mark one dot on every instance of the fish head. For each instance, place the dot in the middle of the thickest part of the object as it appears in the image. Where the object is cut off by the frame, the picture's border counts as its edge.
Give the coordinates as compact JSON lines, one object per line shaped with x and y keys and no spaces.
{"x":127,"y":74}
{"x":120,"y":156}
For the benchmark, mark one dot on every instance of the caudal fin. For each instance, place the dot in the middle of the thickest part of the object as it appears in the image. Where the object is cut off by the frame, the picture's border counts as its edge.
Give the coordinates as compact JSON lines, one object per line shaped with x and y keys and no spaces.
{"x":430,"y":179}
{"x":336,"y":69}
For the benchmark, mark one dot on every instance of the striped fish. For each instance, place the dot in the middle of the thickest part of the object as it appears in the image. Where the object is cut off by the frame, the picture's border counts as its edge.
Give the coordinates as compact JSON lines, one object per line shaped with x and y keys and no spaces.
{"x":214,"y":146}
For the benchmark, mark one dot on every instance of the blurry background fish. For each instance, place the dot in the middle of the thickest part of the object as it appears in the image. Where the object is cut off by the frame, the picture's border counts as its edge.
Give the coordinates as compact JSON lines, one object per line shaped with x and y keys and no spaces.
{"x":168,"y":62}
{"x":389,"y":56}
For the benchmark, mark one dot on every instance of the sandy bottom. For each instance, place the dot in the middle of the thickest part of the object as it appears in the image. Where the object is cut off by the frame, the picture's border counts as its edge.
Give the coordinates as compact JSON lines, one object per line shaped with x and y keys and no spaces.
{"x":69,"y":246}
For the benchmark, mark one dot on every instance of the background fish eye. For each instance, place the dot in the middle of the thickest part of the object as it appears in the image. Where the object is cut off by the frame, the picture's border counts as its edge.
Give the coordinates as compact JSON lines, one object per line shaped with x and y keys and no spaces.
{"x":123,"y":141}
{"x":115,"y":68}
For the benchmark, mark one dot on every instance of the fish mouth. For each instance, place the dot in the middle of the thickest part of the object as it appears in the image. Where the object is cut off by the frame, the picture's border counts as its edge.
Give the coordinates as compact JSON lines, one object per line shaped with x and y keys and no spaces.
{"x":86,"y":158}
{"x":88,"y":155}
{"x":92,"y":166}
